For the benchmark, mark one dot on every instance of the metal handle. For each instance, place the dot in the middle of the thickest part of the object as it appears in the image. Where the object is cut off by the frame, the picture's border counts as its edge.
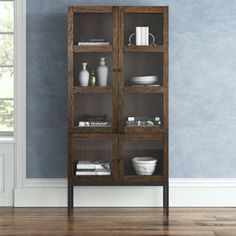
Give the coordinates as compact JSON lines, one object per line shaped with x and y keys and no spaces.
{"x":153,"y":43}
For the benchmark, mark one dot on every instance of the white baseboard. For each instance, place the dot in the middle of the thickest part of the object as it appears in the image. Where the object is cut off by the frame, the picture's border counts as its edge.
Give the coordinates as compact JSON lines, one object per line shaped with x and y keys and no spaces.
{"x":183,"y":193}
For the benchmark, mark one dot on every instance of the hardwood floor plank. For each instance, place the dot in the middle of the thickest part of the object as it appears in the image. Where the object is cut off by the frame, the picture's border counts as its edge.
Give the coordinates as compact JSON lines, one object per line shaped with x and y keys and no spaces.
{"x":117,"y":221}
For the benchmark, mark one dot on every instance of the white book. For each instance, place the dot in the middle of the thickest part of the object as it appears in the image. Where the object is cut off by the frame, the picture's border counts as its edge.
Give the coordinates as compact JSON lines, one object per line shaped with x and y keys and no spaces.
{"x":146,"y":36}
{"x":138,"y":35}
{"x":82,"y":167}
{"x":93,"y":43}
{"x":92,"y":165}
{"x":143,"y":36}
{"x":93,"y":172}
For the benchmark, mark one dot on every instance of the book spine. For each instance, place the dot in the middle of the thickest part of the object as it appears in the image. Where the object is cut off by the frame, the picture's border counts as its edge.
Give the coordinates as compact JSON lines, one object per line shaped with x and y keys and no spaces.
{"x":91,"y":167}
{"x":146,"y":36}
{"x":142,"y":36}
{"x":92,"y":173}
{"x":138,"y":35}
{"x":93,"y":43}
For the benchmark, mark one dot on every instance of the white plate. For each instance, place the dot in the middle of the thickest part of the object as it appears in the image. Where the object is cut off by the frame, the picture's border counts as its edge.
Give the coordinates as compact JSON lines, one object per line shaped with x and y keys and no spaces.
{"x":144,"y":80}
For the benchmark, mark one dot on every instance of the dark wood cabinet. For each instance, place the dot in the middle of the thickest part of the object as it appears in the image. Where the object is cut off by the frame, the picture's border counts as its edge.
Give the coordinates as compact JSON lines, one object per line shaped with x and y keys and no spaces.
{"x":119,"y":143}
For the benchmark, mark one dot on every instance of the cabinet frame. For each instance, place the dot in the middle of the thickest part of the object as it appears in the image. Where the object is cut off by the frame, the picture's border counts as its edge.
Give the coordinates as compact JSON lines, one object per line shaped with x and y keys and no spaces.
{"x":118,"y":133}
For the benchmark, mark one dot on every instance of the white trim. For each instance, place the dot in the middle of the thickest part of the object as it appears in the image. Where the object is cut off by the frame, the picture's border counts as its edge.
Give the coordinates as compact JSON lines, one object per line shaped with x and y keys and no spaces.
{"x":53,"y":192}
{"x":7,"y":139}
{"x":20,"y":93}
{"x":183,"y":193}
{"x":2,"y":156}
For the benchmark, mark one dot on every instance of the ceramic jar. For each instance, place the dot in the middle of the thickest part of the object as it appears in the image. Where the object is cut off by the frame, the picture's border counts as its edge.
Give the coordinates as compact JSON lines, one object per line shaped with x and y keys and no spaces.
{"x":84,"y":76}
{"x":102,"y":73}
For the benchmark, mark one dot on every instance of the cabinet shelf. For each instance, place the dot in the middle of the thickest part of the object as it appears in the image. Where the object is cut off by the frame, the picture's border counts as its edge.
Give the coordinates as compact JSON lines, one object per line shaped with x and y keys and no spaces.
{"x":148,"y":129}
{"x":95,"y":89}
{"x":144,"y":89}
{"x":143,"y":49}
{"x":105,"y":48}
{"x":91,"y":130}
{"x":92,"y":178}
{"x":144,"y":178}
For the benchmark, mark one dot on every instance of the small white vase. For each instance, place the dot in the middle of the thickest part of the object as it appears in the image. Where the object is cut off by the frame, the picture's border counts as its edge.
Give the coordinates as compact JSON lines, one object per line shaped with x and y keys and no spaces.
{"x":102,"y":73}
{"x":84,"y":76}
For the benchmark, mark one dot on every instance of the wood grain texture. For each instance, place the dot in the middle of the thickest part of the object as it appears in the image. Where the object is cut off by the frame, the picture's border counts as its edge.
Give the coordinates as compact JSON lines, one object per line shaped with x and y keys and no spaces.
{"x":95,"y":89}
{"x":119,"y":99}
{"x":107,"y":48}
{"x":117,"y":221}
{"x":143,"y":9}
{"x":92,"y":9}
{"x":143,"y":48}
{"x":143,"y":89}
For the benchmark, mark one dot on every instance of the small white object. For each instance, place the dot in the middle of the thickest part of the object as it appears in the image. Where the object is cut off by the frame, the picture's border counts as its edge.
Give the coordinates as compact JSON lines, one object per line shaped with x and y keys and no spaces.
{"x":143,"y":36}
{"x":84,"y":76}
{"x":102,"y":72}
{"x":130,"y":118}
{"x":146,"y":36}
{"x":95,"y":172}
{"x":145,"y":80}
{"x":138,"y":35}
{"x":144,"y":165}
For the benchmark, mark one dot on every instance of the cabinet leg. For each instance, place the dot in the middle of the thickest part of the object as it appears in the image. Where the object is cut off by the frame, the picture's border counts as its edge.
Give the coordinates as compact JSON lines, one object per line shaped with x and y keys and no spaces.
{"x":166,"y":199}
{"x":70,"y":198}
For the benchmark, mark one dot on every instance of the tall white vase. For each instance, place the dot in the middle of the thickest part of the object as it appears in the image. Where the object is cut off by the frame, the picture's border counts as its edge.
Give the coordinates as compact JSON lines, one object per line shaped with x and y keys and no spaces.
{"x":102,"y":72}
{"x":84,"y":76}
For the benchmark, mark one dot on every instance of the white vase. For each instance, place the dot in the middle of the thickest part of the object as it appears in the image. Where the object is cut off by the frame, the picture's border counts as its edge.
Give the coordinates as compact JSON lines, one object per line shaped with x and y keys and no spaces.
{"x":102,"y":73}
{"x":84,"y":76}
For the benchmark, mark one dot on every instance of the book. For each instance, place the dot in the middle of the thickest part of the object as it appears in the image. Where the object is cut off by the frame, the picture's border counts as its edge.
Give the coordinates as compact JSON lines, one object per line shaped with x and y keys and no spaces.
{"x":146,"y":36}
{"x":94,"y":124}
{"x":143,"y":121}
{"x":93,"y":43}
{"x":93,"y":165}
{"x":93,"y":172}
{"x":138,"y":35}
{"x":142,"y":36}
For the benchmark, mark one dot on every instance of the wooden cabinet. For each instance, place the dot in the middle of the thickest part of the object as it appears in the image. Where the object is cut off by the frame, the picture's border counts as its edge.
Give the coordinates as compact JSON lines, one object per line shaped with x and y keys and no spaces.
{"x":118,"y":143}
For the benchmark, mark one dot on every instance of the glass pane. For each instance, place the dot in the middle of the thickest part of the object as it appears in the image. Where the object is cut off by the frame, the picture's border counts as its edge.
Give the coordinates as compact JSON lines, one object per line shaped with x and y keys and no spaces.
{"x":6,"y":49}
{"x":142,"y":149}
{"x":6,"y":16}
{"x":6,"y":115}
{"x":93,"y":157}
{"x":6,"y":82}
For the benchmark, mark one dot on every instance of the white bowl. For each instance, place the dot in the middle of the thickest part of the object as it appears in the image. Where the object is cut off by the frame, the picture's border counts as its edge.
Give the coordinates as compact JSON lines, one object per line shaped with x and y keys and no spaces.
{"x":144,"y":165}
{"x":144,"y":80}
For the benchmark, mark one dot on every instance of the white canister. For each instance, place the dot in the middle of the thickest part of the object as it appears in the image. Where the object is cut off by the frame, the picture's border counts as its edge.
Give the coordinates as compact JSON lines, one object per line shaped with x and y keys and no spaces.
{"x":102,"y":72}
{"x":84,"y":76}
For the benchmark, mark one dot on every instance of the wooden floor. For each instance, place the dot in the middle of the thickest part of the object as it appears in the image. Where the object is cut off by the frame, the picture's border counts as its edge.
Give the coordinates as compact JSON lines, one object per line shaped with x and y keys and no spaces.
{"x":118,"y":221}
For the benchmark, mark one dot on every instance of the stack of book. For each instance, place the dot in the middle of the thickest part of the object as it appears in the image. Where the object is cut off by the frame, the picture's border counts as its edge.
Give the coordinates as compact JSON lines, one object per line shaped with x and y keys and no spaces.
{"x":93,"y":168}
{"x":143,"y":121}
{"x":94,"y":121}
{"x":142,"y":36}
{"x":93,"y":42}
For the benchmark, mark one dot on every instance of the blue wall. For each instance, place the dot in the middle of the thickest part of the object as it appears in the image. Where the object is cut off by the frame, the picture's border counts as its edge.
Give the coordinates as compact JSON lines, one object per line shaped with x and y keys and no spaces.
{"x":202,"y":86}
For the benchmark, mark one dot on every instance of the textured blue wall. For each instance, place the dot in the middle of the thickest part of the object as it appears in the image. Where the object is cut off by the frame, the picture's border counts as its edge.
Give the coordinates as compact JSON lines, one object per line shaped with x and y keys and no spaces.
{"x":202,"y":86}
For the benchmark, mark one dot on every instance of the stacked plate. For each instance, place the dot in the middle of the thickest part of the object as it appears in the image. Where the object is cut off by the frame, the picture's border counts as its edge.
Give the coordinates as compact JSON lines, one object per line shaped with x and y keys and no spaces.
{"x":144,"y":80}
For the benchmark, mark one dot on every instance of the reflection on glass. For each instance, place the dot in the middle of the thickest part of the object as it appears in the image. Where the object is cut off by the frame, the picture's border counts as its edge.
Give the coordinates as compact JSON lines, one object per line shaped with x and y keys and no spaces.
{"x":6,"y":16}
{"x":6,"y":49}
{"x":6,"y":82}
{"x":6,"y":115}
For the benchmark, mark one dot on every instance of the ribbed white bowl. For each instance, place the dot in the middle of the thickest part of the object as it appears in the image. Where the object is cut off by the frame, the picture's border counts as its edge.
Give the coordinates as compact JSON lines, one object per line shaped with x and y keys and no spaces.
{"x":144,"y":80}
{"x":144,"y":165}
